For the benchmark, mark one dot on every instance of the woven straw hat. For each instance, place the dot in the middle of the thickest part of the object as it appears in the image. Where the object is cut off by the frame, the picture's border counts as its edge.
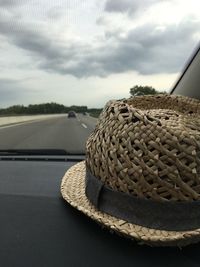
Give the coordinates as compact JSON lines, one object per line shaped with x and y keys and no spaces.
{"x":141,"y":177}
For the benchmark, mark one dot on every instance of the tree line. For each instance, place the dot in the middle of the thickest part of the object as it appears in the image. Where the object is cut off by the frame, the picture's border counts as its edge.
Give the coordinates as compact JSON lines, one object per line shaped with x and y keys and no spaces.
{"x":45,"y":108}
{"x":55,"y":108}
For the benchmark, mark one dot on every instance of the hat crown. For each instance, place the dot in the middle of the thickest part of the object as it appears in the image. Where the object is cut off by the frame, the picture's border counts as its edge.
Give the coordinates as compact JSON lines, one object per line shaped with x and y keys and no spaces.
{"x":148,"y":146}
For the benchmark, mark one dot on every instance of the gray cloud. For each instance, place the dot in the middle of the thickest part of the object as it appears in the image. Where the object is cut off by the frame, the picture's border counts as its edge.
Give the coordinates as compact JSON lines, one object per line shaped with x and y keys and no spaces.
{"x":149,"y":50}
{"x":55,"y":12}
{"x":12,"y":3}
{"x":130,"y":6}
{"x":4,"y":3}
{"x":145,"y":49}
{"x":31,"y":38}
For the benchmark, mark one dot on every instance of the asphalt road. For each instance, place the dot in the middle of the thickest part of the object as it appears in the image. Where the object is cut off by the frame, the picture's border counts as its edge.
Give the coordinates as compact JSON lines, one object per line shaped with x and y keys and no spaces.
{"x":62,"y":132}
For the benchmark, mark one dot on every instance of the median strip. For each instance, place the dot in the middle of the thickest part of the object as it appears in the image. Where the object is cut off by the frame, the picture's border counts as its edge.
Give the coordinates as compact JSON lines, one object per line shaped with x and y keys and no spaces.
{"x":11,"y":120}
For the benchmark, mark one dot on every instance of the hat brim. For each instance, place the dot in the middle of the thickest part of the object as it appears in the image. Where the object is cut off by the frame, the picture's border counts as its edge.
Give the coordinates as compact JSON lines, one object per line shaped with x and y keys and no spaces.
{"x":73,"y":191}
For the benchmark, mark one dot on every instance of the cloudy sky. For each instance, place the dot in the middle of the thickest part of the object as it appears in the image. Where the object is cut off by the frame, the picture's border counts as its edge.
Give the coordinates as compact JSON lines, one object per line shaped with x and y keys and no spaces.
{"x":86,"y":52}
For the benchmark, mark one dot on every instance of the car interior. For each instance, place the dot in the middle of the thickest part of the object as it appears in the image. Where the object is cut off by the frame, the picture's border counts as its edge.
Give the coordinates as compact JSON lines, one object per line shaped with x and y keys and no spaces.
{"x":37,"y":226}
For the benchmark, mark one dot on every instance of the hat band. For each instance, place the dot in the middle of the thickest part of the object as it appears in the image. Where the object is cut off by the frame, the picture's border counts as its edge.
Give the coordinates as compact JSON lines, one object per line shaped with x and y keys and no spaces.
{"x":163,"y":215}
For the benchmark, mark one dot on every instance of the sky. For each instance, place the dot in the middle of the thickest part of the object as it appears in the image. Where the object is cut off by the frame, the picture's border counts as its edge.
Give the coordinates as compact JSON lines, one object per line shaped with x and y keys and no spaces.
{"x":86,"y":52}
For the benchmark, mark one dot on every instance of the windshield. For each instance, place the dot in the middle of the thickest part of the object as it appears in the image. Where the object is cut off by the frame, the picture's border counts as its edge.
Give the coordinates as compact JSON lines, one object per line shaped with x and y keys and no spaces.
{"x":62,"y":60}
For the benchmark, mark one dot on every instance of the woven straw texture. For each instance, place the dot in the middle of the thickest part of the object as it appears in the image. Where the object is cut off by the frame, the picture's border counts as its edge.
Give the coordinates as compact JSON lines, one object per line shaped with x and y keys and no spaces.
{"x":146,"y":146}
{"x":73,"y":191}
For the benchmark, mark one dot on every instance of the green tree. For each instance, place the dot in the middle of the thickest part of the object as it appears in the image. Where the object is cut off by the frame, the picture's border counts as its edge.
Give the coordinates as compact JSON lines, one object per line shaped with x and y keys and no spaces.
{"x":143,"y":90}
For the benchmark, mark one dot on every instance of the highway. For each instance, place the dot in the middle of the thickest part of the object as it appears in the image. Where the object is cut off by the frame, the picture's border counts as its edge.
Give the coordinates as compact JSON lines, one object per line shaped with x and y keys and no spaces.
{"x":61,"y":132}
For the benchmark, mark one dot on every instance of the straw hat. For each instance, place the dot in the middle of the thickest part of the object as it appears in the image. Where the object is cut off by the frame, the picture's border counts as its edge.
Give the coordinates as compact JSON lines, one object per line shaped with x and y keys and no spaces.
{"x":141,"y":177}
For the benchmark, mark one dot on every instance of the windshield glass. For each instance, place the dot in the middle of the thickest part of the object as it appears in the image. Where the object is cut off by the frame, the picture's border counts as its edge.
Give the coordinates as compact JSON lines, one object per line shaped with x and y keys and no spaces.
{"x":62,"y":60}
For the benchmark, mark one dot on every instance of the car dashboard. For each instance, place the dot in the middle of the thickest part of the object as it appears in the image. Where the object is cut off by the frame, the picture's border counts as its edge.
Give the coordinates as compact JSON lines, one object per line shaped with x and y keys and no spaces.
{"x":39,"y":228}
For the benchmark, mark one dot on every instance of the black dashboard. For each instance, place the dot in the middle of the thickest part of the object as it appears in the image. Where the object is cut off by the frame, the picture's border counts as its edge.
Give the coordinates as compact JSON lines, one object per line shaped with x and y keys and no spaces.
{"x":38,"y":228}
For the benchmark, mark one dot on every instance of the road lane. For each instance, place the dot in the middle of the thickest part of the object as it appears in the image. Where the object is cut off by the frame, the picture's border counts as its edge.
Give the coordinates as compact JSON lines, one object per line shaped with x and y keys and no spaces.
{"x":55,"y":133}
{"x":87,"y":120}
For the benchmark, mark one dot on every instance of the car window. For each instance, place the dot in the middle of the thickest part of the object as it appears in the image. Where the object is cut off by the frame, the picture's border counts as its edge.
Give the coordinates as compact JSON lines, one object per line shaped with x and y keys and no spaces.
{"x":61,"y":61}
{"x":188,"y":83}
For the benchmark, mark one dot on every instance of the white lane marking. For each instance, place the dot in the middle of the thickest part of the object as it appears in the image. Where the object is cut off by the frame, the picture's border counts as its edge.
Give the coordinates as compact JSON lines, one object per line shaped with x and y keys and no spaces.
{"x":84,"y":125}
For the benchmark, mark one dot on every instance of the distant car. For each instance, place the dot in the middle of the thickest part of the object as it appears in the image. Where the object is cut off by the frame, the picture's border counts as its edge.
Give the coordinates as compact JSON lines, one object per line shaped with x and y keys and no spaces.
{"x":84,"y":113}
{"x":71,"y":114}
